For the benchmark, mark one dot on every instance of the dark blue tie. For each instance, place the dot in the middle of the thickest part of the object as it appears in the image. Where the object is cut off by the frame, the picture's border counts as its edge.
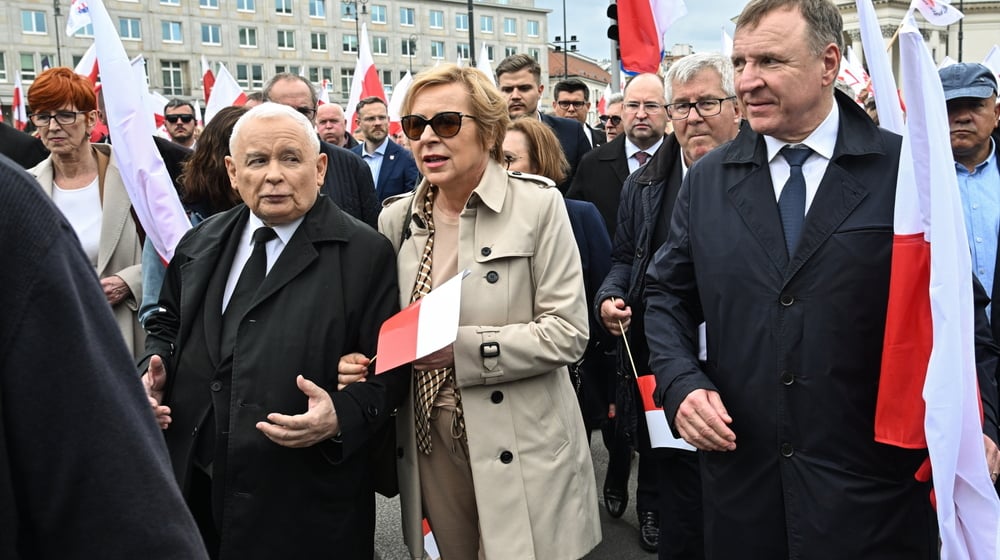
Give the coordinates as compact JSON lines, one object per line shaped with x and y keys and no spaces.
{"x":792,"y":202}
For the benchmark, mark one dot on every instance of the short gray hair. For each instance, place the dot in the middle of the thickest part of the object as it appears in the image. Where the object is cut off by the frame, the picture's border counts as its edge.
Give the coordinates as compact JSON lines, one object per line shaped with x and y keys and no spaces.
{"x":618,"y":97}
{"x":271,"y":110}
{"x":685,"y":69}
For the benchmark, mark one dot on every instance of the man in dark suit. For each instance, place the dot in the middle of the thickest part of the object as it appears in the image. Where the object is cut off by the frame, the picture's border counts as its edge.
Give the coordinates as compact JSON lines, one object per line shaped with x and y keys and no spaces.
{"x":393,"y":168}
{"x":26,"y":150}
{"x":519,"y":77}
{"x":347,"y":181}
{"x":603,"y":171}
{"x":572,"y":101}
{"x":781,"y":242}
{"x":258,"y":305}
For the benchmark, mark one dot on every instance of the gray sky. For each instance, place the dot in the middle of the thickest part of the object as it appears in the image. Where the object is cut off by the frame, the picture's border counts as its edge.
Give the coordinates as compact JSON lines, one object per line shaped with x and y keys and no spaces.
{"x":701,"y":27}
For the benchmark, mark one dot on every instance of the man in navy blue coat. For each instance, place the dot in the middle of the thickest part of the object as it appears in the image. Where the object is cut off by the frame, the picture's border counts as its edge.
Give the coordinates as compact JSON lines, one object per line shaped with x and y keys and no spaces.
{"x":393,"y":169}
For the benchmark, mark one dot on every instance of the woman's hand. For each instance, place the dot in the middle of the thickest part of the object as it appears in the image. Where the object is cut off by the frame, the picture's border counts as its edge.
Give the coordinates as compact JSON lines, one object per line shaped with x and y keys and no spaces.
{"x":115,"y":289}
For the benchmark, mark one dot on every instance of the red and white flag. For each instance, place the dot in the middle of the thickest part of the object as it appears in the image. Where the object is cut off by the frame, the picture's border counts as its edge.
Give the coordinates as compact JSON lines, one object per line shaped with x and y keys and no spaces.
{"x":937,"y":12}
{"x":19,"y":106}
{"x":225,"y":93}
{"x":87,"y":67}
{"x":396,"y":103}
{"x":656,"y":421}
{"x":324,"y":92}
{"x":931,"y":360}
{"x":207,"y":78}
{"x":602,"y":104}
{"x":197,"y":113}
{"x":425,"y":326}
{"x":642,"y":24}
{"x":78,"y":17}
{"x":430,"y":545}
{"x":149,"y":187}
{"x":366,"y":82}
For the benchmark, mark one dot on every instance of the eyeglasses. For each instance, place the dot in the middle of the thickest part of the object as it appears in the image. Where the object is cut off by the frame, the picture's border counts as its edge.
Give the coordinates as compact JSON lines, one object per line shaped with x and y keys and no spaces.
{"x":568,"y":104}
{"x":615,"y":119}
{"x":704,"y":107}
{"x":651,"y":108}
{"x":62,"y":117}
{"x":445,"y":125}
{"x":307,"y":112}
{"x":172,"y":119}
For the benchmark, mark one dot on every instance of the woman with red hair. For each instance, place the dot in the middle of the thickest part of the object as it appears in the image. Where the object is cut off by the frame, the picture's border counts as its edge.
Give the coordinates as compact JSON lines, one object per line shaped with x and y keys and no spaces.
{"x":84,"y":183}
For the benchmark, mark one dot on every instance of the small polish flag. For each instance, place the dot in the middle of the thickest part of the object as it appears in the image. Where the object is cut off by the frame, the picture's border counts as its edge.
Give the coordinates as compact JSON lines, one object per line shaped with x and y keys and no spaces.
{"x":425,"y":326}
{"x":656,"y":421}
{"x":430,"y":545}
{"x":207,"y":78}
{"x":602,"y":105}
{"x":20,"y":105}
{"x":87,"y":67}
{"x":225,"y":93}
{"x":324,"y":93}
{"x":396,"y":103}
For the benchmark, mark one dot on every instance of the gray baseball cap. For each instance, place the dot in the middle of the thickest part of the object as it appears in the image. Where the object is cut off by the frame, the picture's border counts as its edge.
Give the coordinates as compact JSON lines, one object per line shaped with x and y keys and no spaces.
{"x":967,"y":79}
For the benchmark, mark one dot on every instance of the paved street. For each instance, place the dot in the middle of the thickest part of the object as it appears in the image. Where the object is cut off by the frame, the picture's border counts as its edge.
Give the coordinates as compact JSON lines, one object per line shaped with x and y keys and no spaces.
{"x":621,"y":536}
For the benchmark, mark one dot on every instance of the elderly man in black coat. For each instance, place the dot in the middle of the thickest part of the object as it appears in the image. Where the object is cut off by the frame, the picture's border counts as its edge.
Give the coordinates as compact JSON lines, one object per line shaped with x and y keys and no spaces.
{"x":271,"y":456}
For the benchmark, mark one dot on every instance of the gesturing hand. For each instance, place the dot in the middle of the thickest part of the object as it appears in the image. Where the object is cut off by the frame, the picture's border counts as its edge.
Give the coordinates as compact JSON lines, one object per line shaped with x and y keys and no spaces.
{"x":319,"y":423}
{"x":703,"y":422}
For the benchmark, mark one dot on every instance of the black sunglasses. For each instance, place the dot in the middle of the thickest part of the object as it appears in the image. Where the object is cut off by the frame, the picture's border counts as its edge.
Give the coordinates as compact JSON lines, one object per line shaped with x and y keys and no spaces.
{"x":182,"y":118}
{"x":445,"y":125}
{"x":615,"y":119}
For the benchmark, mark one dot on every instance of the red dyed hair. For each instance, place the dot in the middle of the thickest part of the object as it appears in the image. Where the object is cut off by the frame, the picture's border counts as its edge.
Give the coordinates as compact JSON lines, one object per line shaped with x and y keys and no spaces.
{"x":59,"y":86}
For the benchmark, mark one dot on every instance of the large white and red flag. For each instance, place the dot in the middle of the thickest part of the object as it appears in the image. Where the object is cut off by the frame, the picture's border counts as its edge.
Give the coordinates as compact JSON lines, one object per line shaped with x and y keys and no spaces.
{"x":366,"y":82}
{"x":207,"y":78}
{"x":642,"y":24}
{"x":149,"y":187}
{"x":87,"y":67}
{"x":425,"y":326}
{"x":19,"y":105}
{"x":225,"y":93}
{"x":930,"y":360}
{"x":937,"y":12}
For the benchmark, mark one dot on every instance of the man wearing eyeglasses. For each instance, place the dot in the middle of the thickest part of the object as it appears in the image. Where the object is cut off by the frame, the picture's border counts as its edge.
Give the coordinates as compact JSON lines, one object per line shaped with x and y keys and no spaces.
{"x":393,"y":168}
{"x":179,"y":116}
{"x":348,"y":180}
{"x":611,"y":120}
{"x":572,"y":101}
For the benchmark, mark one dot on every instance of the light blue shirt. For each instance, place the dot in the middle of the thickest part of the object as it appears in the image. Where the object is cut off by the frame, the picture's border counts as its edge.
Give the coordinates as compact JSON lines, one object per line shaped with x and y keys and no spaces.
{"x":981,"y":205}
{"x":374,"y":160}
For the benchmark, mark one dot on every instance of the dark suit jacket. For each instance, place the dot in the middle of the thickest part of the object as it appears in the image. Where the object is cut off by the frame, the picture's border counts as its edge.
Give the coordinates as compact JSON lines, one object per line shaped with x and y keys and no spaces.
{"x":326,"y":296}
{"x":398,"y":173}
{"x":600,"y":178}
{"x":573,"y":141}
{"x":26,"y":150}
{"x":349,"y":183}
{"x":599,"y":137}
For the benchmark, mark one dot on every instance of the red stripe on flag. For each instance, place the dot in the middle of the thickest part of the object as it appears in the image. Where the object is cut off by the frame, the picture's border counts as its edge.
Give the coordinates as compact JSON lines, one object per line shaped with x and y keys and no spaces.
{"x":397,"y":339}
{"x":899,"y":412}
{"x":639,"y":39}
{"x":647,"y":384}
{"x":372,"y":86}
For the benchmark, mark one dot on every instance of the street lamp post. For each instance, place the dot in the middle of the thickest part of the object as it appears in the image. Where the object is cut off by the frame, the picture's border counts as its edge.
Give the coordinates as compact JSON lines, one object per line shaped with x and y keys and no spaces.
{"x":56,"y":14}
{"x":566,"y":44}
{"x":357,"y":15}
{"x":412,"y":50}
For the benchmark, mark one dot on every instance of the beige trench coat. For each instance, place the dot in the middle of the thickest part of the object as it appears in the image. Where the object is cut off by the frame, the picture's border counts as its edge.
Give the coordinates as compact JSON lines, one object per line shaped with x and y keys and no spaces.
{"x":526,"y":293}
{"x":119,"y":251}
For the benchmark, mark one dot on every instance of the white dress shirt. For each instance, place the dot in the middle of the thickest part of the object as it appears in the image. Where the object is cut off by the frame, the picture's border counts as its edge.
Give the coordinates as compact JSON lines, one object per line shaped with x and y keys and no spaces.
{"x":822,"y":140}
{"x":273,"y":247}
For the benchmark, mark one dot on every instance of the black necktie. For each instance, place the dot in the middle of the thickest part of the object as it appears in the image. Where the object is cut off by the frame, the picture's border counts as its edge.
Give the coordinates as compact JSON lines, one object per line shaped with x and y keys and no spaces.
{"x":792,"y":202}
{"x":246,"y":288}
{"x":641,"y":157}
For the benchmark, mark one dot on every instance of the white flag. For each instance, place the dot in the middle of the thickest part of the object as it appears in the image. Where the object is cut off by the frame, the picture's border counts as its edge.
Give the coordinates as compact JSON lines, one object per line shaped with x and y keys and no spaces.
{"x":483,"y":63}
{"x":937,"y":12}
{"x":890,"y":114}
{"x":992,"y":60}
{"x":78,"y":17}
{"x":727,"y":43}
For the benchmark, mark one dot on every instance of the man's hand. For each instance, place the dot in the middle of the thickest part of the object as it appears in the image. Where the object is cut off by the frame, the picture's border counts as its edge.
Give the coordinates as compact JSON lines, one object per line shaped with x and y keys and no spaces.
{"x":154,"y":381}
{"x":992,"y":458}
{"x":702,"y":421}
{"x":443,"y":358}
{"x":115,"y":289}
{"x":352,"y":368}
{"x":613,"y":312}
{"x":318,"y":424}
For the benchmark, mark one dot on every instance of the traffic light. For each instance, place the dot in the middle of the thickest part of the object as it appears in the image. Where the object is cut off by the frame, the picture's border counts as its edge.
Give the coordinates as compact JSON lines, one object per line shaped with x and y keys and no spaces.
{"x":613,"y":16}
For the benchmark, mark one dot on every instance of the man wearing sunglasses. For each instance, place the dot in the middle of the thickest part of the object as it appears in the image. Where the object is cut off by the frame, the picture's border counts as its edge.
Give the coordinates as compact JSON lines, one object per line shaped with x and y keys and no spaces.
{"x":611,"y":120}
{"x":572,"y":101}
{"x":179,"y":116}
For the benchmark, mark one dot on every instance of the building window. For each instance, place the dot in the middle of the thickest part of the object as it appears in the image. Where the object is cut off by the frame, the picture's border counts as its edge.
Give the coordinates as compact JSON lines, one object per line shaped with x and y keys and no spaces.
{"x":173,"y":77}
{"x":532,"y":28}
{"x":437,"y":19}
{"x":286,"y":39}
{"x":437,"y":49}
{"x":509,"y":26}
{"x":213,"y":4}
{"x":461,"y":22}
{"x":463,"y":51}
{"x":250,"y":76}
{"x":380,"y":45}
{"x":534,"y":53}
{"x":317,"y":8}
{"x":386,"y":78}
{"x":33,"y":22}
{"x":346,"y":77}
{"x":282,"y":69}
{"x":406,"y":16}
{"x":490,"y":53}
{"x":248,"y":37}
{"x":486,"y":24}
{"x":246,"y":5}
{"x":28,"y":72}
{"x":130,"y":29}
{"x":283,"y":7}
{"x":508,"y":51}
{"x":3,"y":67}
{"x":321,"y":74}
{"x":171,"y":31}
{"x":350,"y":44}
{"x":317,"y":41}
{"x":346,"y":13}
{"x":211,"y":34}
{"x":409,"y":47}
{"x":379,"y":14}
{"x":171,"y":2}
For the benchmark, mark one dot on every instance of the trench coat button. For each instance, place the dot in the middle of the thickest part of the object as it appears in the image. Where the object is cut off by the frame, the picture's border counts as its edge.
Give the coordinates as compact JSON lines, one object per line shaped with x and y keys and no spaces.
{"x":373,"y":410}
{"x":492,"y":277}
{"x":399,"y":452}
{"x":639,"y":252}
{"x":787,"y":378}
{"x":485,"y":251}
{"x":787,"y":300}
{"x":506,"y":457}
{"x":497,"y":397}
{"x":787,"y":450}
{"x":215,"y":386}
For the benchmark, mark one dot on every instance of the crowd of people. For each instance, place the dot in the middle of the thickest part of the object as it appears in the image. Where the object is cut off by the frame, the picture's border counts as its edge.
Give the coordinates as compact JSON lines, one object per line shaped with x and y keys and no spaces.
{"x":726,"y":228}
